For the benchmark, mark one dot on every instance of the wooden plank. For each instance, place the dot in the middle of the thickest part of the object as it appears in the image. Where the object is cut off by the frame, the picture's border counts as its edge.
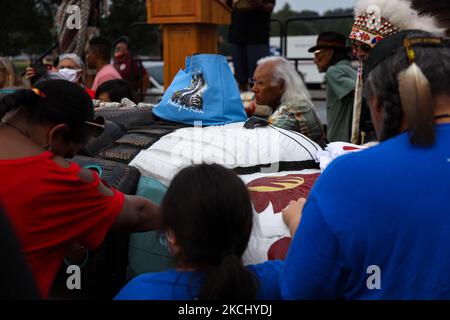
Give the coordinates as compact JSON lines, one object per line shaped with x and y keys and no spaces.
{"x":173,"y":8}
{"x":182,"y":40}
{"x":187,"y":11}
{"x":189,"y":27}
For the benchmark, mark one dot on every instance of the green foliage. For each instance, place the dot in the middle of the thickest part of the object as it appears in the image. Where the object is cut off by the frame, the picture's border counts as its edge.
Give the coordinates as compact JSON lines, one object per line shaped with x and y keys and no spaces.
{"x":312,"y":27}
{"x":145,"y":40}
{"x":26,"y":26}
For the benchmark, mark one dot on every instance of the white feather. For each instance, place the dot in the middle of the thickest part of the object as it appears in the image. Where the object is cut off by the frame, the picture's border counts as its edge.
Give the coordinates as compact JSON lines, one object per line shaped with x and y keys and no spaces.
{"x":400,"y":14}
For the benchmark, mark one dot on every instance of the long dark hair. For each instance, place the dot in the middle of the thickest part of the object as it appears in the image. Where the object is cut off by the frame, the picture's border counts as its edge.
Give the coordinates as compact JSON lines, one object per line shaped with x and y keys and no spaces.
{"x":208,"y":209}
{"x":405,"y":89}
{"x":55,"y":102}
{"x":339,"y":55}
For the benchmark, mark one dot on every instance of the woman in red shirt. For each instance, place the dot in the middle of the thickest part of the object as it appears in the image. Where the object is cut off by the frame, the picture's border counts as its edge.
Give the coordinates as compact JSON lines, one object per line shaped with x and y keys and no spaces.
{"x":50,"y":201}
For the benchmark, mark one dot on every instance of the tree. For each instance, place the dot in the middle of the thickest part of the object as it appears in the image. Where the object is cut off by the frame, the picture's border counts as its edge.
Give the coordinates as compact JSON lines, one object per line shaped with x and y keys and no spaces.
{"x":343,"y":26}
{"x":311,"y":27}
{"x":297,"y":27}
{"x":26,"y":26}
{"x":145,"y":40}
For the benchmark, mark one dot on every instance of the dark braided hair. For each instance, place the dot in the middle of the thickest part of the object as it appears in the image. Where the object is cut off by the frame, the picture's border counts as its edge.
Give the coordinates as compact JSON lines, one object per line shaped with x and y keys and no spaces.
{"x":387,"y":93}
{"x":54,"y":102}
{"x":339,"y":55}
{"x":388,"y":66}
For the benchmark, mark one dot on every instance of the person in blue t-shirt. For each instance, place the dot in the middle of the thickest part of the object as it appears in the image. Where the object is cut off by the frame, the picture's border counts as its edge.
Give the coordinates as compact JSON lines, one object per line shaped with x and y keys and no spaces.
{"x":207,"y":218}
{"x":377,"y":223}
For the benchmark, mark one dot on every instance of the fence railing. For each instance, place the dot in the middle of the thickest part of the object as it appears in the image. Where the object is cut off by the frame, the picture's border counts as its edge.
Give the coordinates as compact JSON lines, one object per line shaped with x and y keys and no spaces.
{"x":292,"y":20}
{"x":284,"y":29}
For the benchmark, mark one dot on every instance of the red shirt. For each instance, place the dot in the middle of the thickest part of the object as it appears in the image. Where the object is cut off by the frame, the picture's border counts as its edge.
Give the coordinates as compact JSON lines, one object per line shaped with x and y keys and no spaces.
{"x":50,"y":207}
{"x":90,"y":92}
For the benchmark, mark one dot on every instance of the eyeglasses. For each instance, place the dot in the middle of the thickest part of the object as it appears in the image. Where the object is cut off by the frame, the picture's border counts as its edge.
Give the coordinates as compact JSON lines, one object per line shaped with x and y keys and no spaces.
{"x":364,"y":47}
{"x":257,"y":83}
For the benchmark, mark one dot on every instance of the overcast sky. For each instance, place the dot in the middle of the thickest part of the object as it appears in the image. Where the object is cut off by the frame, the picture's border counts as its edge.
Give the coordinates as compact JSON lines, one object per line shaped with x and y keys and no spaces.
{"x":315,"y":5}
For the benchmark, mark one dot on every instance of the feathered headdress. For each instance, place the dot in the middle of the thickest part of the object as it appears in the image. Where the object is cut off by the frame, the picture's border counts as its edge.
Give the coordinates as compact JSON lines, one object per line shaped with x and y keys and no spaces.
{"x":376,"y":19}
{"x":437,"y":9}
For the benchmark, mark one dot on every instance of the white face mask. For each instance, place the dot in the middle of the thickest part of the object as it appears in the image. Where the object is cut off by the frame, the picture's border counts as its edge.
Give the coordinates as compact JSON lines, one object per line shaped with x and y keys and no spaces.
{"x":70,"y":74}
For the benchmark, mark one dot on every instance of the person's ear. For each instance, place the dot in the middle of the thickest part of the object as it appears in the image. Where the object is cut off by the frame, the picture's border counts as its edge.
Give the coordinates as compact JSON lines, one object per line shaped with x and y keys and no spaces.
{"x":57,"y":134}
{"x":330,"y":53}
{"x":172,"y":242}
{"x":327,"y":56}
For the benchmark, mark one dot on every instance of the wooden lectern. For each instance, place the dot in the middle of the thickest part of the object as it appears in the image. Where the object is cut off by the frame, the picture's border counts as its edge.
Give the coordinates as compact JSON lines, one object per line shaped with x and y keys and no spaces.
{"x":189,"y":27}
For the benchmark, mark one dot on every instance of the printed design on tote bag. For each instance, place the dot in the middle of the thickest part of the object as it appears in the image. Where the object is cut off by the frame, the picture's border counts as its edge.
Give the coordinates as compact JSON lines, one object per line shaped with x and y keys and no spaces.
{"x":191,"y":98}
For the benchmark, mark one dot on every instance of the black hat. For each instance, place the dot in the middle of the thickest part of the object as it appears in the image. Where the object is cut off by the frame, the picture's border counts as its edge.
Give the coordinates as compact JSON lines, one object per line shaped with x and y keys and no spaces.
{"x":332,"y":40}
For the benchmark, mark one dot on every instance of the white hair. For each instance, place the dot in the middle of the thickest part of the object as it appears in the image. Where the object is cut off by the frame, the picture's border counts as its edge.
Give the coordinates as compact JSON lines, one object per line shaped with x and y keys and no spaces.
{"x":401,"y":14}
{"x":74,"y":57}
{"x":295,"y":91}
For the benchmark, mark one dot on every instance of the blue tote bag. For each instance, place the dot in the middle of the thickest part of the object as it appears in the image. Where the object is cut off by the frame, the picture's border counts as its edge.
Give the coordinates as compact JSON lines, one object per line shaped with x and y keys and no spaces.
{"x":204,"y":91}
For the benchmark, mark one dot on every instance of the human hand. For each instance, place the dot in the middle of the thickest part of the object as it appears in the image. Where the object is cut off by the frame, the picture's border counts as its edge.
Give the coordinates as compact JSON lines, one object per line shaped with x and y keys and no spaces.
{"x":292,"y":214}
{"x":30,"y":73}
{"x":250,"y":108}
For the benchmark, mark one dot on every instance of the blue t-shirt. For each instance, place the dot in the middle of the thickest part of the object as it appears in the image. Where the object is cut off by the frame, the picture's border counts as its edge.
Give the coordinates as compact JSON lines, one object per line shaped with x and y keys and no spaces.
{"x":387,"y":207}
{"x":185,"y":285}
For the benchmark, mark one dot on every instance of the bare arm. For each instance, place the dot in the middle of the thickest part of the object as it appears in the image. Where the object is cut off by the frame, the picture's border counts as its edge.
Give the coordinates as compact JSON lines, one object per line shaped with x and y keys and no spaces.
{"x":138,"y":215}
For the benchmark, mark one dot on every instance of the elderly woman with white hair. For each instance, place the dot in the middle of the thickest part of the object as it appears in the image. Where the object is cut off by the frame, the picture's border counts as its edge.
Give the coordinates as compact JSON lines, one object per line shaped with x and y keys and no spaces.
{"x":278,"y":85}
{"x":70,"y":67}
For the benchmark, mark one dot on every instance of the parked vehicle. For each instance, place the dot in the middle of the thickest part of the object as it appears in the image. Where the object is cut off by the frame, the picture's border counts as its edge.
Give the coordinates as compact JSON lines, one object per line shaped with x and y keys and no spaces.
{"x":155,"y":70}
